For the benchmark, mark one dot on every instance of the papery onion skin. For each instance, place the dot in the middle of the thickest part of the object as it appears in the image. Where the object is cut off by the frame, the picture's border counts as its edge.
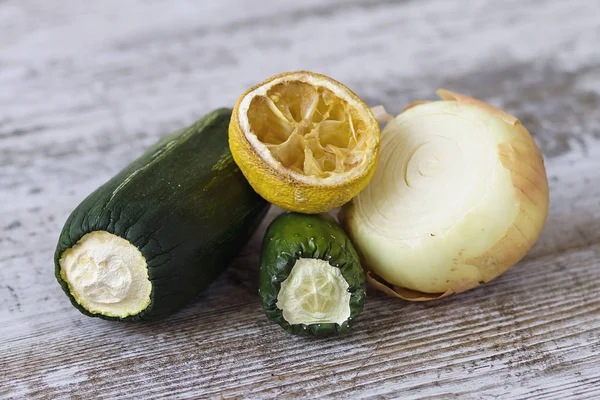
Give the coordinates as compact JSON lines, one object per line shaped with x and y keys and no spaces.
{"x":469,"y":239}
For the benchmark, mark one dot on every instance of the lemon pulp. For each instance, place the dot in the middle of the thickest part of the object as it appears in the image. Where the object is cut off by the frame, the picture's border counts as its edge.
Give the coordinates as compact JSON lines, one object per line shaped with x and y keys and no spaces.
{"x":308,"y":129}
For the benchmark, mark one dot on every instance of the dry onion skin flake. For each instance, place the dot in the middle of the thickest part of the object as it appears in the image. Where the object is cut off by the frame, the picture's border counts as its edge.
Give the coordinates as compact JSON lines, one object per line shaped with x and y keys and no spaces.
{"x":459,"y":196}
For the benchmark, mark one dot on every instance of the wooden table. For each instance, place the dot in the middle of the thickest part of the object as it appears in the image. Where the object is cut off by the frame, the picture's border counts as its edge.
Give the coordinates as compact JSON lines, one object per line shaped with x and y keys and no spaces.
{"x":86,"y":86}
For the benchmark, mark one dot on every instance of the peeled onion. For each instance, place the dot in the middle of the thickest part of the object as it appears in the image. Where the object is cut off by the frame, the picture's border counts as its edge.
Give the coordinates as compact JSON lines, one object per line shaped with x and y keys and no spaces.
{"x":459,"y":196}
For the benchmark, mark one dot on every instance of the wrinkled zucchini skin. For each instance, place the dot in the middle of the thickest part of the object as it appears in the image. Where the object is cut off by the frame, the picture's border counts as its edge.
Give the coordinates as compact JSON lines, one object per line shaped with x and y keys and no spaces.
{"x":292,"y":236}
{"x":184,"y":203}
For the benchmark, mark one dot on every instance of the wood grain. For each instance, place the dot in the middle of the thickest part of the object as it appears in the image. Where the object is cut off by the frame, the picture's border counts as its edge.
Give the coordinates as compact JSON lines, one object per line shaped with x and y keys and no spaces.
{"x":86,"y":86}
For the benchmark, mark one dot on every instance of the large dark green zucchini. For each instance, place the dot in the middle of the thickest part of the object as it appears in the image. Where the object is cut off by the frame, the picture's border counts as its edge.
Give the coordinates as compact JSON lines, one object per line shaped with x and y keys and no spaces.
{"x":315,"y":249}
{"x":183,"y":204}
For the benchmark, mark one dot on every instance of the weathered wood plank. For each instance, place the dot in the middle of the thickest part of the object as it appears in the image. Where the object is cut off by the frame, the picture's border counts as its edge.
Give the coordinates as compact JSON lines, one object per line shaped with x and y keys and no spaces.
{"x":84,"y":88}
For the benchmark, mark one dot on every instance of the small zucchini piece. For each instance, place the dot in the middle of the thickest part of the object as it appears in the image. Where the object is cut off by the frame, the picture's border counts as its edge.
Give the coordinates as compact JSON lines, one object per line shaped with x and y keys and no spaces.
{"x":157,"y":234}
{"x":311,"y":280}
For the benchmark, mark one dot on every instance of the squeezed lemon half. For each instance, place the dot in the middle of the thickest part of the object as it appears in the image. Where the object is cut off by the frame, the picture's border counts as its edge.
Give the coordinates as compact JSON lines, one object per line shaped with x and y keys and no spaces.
{"x":304,"y":141}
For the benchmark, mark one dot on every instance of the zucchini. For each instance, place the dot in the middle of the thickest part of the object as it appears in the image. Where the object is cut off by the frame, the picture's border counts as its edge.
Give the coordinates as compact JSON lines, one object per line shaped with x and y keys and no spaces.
{"x":153,"y":237}
{"x":311,"y":280}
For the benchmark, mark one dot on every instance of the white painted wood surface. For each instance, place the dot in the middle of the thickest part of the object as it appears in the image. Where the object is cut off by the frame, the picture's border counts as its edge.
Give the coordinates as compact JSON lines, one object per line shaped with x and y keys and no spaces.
{"x":85,"y":86}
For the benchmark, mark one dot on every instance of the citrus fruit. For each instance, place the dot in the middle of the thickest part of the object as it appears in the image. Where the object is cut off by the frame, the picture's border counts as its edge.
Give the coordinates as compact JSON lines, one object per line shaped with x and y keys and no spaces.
{"x":304,"y":141}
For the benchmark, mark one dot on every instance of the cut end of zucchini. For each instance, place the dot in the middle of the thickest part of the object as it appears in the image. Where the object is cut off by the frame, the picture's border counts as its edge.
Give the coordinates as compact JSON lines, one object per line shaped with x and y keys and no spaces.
{"x":314,"y":293}
{"x":107,"y":275}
